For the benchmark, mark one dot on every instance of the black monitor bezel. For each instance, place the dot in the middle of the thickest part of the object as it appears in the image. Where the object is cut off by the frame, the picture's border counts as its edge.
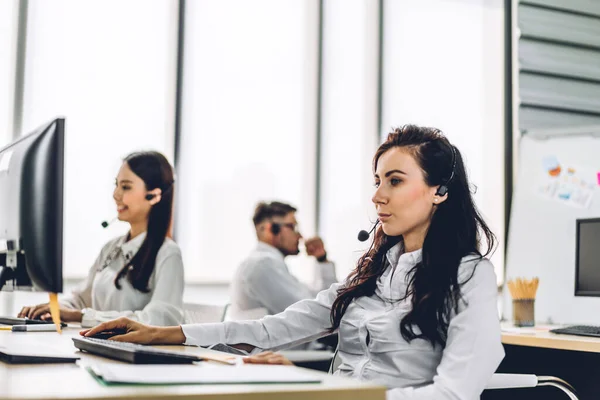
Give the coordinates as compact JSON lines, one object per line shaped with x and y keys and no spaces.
{"x":579,"y":292}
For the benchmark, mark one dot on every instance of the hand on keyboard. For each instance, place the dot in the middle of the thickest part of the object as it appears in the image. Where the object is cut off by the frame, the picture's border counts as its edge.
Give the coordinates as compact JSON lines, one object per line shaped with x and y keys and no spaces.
{"x":119,"y":330}
{"x":108,"y":334}
{"x":136,"y":332}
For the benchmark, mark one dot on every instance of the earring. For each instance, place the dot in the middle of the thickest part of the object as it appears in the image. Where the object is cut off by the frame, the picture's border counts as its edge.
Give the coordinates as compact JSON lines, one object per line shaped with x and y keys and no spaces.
{"x":436,"y":200}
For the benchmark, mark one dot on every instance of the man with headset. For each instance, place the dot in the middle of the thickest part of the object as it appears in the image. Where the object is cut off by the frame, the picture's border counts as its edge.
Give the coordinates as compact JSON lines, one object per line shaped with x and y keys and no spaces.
{"x":263,"y":281}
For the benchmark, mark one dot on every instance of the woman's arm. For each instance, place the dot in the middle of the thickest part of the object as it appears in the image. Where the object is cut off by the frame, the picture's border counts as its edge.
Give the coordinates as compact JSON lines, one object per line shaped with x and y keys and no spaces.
{"x":166,"y":303}
{"x":71,"y":305}
{"x":300,"y":322}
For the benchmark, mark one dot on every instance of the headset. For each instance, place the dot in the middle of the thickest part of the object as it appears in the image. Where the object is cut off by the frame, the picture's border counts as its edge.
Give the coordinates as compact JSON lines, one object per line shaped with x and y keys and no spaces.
{"x":443,"y":189}
{"x":275,"y":228}
{"x":148,"y":197}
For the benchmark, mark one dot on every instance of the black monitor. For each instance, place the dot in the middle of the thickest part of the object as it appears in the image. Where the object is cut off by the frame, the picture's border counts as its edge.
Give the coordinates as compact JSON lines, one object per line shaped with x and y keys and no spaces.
{"x":587,"y":258}
{"x":31,"y":210}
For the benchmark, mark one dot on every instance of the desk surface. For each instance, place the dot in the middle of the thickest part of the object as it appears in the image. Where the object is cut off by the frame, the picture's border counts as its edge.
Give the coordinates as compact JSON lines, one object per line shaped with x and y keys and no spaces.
{"x":70,"y":381}
{"x":541,"y":337}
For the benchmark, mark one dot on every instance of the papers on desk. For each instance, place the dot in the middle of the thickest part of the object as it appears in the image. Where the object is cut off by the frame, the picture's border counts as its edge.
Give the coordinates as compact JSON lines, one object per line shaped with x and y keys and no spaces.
{"x":35,"y":354}
{"x":203,"y":373}
{"x":525,"y":330}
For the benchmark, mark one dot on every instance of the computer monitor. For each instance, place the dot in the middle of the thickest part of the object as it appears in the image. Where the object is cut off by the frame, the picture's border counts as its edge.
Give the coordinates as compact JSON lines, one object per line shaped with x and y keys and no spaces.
{"x":31,"y":210}
{"x":587,"y":258}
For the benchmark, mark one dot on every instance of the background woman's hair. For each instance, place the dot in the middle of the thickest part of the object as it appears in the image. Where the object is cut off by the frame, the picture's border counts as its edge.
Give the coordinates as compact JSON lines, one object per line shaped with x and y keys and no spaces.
{"x":156,"y":172}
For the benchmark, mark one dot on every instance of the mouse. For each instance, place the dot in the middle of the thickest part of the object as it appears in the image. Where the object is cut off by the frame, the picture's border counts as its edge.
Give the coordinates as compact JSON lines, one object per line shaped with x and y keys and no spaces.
{"x":108,"y":334}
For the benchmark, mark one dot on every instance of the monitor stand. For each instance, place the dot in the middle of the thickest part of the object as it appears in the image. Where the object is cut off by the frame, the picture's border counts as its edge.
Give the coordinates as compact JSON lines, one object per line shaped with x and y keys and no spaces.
{"x":6,"y":274}
{"x":7,"y":303}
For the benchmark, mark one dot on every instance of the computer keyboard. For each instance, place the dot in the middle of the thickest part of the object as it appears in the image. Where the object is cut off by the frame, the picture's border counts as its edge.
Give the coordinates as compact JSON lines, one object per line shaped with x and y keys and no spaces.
{"x":580,"y":330}
{"x":132,"y":353}
{"x":26,"y":321}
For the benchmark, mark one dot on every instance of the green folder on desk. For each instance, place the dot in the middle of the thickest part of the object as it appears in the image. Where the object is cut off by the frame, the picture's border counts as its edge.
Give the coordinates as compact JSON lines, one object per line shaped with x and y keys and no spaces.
{"x":199,"y":374}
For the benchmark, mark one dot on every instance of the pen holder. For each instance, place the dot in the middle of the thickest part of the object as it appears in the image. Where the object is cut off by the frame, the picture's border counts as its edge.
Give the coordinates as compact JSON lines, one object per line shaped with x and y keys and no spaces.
{"x":523,"y":312}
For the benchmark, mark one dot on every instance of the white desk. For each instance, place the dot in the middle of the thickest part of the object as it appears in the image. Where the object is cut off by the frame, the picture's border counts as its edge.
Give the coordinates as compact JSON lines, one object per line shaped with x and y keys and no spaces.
{"x":542,"y":338}
{"x":70,"y":381}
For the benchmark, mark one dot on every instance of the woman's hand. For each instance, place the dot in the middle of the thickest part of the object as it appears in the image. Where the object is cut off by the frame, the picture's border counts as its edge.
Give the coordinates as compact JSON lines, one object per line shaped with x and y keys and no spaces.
{"x":267,"y":357}
{"x":135,"y":332}
{"x":42,"y":311}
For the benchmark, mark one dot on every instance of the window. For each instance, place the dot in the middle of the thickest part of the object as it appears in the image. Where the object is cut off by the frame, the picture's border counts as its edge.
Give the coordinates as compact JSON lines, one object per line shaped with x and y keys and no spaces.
{"x":248,"y":125}
{"x":449,"y":73}
{"x":8,"y":33}
{"x":116,"y":87}
{"x":349,"y":127}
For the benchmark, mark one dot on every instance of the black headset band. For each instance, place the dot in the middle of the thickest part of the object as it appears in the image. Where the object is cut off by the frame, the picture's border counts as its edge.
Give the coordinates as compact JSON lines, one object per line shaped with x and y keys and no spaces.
{"x":453,"y":165}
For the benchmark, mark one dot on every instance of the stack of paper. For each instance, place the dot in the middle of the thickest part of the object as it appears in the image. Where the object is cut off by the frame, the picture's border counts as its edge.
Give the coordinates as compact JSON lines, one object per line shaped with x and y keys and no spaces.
{"x":202,"y":373}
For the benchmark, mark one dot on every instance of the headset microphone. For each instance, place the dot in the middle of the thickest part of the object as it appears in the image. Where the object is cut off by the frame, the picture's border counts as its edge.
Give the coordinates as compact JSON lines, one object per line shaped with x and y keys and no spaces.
{"x":105,"y":224}
{"x":364,"y":235}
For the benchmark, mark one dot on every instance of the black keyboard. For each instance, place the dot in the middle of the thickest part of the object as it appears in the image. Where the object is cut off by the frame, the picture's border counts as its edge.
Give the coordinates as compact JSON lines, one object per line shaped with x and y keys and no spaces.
{"x":132,"y":353}
{"x":580,"y":330}
{"x":26,"y":321}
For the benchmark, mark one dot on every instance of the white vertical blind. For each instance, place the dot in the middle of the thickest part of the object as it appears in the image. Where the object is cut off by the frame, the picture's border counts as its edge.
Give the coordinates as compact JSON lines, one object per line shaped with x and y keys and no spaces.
{"x":8,"y":35}
{"x":108,"y":67}
{"x":248,"y":125}
{"x":449,"y":73}
{"x":349,"y":128}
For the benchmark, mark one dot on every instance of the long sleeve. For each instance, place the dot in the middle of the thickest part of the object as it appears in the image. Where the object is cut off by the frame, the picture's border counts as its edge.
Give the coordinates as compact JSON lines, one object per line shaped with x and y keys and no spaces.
{"x":274,"y":287}
{"x":166,"y":304}
{"x":473,"y":349}
{"x":301,"y":322}
{"x":81,"y":296}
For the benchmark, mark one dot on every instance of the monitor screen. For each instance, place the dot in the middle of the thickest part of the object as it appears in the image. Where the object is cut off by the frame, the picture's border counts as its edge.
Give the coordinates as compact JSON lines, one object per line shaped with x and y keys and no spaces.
{"x":31,"y":210}
{"x":587,"y":265}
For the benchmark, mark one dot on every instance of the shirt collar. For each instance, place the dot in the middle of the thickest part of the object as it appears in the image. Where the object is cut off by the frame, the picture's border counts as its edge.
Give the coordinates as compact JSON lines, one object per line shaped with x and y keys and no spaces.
{"x":396,"y":255}
{"x":129,"y":248}
{"x":262,"y":246}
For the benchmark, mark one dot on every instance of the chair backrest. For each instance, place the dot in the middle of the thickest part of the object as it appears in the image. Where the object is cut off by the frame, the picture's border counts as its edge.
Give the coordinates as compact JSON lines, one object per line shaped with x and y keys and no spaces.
{"x":335,"y":361}
{"x":194,"y":313}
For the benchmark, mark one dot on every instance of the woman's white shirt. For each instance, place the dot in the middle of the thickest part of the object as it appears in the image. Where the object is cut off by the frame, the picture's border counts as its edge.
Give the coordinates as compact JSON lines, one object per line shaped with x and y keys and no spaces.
{"x":371,"y":346}
{"x":101,"y":301}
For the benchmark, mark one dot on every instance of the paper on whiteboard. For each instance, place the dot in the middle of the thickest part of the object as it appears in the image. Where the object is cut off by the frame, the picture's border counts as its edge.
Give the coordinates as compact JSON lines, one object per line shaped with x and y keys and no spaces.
{"x":568,"y":185}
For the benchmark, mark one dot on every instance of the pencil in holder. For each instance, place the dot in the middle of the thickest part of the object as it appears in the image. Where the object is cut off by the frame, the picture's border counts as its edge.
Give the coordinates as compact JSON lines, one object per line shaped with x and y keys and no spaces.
{"x":524,"y":312}
{"x":523,"y":293}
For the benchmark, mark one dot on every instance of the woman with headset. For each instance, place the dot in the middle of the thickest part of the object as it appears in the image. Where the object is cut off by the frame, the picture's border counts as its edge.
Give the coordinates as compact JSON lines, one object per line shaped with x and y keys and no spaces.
{"x":139,"y":275}
{"x":418,"y":313}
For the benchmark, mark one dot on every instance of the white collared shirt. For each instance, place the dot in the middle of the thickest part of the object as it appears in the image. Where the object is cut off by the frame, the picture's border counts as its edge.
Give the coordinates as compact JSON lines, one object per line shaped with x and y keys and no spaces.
{"x":101,"y":301}
{"x":263,"y":280}
{"x":371,"y":345}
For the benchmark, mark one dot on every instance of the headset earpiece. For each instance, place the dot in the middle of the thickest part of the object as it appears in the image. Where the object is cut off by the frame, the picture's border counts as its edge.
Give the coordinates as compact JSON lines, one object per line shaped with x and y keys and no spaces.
{"x":150,"y":196}
{"x":275,"y":228}
{"x":442,"y":190}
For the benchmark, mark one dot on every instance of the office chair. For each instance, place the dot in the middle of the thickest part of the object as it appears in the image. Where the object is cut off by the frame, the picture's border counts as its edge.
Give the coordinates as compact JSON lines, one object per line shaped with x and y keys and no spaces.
{"x":518,"y":381}
{"x":195,"y":313}
{"x":507,"y":381}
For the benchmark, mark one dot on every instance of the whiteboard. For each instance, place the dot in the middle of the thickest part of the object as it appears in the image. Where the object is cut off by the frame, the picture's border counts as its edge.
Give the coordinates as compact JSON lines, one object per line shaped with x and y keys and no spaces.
{"x":542,"y":231}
